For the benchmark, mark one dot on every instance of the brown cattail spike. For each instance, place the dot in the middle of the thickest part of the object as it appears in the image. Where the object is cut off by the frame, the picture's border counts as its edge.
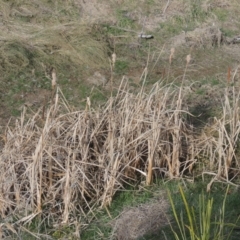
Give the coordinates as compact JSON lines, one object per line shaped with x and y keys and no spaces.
{"x":229,"y":74}
{"x":114,"y":56}
{"x":54,"y":78}
{"x":171,"y":55}
{"x":188,"y":59}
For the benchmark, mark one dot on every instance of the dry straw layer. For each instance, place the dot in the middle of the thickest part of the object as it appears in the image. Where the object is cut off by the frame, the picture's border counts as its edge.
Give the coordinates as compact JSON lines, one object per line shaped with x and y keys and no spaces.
{"x":62,"y":165}
{"x":134,"y":223}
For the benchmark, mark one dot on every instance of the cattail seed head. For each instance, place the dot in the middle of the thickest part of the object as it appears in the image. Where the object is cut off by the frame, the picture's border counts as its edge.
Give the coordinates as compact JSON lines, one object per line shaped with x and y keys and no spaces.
{"x":114,"y":56}
{"x":171,"y":55}
{"x":188,"y":58}
{"x":54,"y":78}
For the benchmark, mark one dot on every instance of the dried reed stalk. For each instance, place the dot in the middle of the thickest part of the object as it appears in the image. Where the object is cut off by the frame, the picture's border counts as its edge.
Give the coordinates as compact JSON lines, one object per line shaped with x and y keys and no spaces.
{"x":223,"y":140}
{"x":78,"y":159}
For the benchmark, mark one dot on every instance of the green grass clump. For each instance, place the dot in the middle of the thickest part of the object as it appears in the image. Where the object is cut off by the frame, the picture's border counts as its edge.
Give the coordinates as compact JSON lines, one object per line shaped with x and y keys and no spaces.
{"x":202,"y":221}
{"x":42,"y":35}
{"x":222,"y":14}
{"x":196,"y":11}
{"x":121,"y":66}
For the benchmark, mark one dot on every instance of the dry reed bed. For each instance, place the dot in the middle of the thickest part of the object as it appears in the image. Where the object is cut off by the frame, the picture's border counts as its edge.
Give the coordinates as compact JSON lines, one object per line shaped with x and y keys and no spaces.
{"x":61,"y":166}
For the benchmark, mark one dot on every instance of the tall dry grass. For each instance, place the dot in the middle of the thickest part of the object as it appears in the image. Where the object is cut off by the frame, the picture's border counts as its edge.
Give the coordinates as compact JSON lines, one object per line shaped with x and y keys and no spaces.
{"x":221,"y":140}
{"x":61,"y":167}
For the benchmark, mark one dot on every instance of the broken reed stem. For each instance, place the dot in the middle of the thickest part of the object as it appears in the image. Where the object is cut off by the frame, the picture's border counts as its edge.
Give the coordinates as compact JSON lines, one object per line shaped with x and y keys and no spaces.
{"x":112,"y":67}
{"x":171,"y":57}
{"x":67,"y":191}
{"x":159,"y":55}
{"x":150,"y":163}
{"x":229,"y":75}
{"x":188,"y":59}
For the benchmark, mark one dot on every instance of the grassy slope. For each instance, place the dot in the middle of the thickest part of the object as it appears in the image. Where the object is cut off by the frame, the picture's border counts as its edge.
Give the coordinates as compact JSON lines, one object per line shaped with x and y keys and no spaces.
{"x":41,"y":35}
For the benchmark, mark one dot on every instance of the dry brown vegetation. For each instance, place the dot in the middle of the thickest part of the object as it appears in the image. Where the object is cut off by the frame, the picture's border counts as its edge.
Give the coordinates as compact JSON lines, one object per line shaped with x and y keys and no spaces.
{"x":61,"y":164}
{"x":134,"y":223}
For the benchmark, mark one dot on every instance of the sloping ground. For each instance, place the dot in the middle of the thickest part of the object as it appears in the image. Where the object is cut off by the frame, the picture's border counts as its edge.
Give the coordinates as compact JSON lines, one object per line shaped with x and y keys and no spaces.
{"x":203,"y":29}
{"x":77,"y":39}
{"x":193,"y":47}
{"x":40,"y":36}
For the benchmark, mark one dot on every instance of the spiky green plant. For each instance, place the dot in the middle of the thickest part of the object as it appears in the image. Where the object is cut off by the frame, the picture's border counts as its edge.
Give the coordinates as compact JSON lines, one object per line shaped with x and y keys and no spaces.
{"x":200,"y":226}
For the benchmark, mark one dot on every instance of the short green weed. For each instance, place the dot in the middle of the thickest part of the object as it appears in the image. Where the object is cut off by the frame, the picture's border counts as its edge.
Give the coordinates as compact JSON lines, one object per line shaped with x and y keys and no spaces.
{"x":201,"y":221}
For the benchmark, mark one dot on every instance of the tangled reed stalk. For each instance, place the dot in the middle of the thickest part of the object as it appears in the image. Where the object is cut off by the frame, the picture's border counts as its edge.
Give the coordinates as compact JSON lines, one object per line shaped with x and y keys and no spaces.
{"x":220,"y":143}
{"x":62,"y":166}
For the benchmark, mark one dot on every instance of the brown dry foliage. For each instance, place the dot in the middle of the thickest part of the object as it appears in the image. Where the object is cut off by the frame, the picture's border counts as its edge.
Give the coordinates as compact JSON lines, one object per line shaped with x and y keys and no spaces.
{"x":66,"y":163}
{"x":147,"y":218}
{"x":62,"y":166}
